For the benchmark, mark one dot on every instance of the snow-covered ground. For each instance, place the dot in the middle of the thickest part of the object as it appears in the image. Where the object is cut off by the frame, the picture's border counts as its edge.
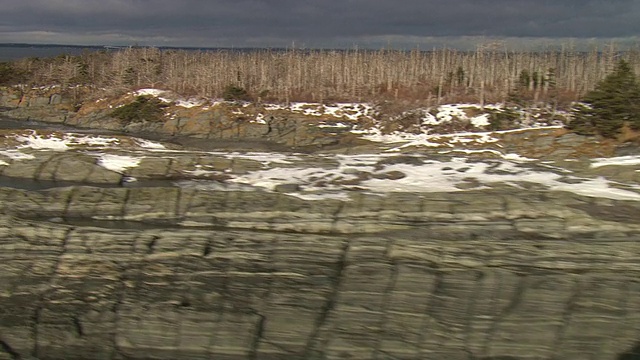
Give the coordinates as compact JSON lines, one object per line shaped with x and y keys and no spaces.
{"x":319,"y":176}
{"x":461,"y":162}
{"x":351,"y":115}
{"x":620,"y":160}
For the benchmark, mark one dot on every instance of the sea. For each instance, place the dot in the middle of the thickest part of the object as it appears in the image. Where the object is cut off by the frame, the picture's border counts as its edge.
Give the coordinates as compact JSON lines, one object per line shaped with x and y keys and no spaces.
{"x":10,"y":52}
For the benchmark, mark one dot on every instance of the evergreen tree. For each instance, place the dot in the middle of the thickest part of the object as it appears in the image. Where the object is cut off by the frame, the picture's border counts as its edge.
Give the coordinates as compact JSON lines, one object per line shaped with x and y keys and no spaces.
{"x":614,"y":102}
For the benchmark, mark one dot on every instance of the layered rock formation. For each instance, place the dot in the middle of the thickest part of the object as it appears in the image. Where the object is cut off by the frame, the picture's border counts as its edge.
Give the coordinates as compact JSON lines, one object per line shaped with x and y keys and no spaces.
{"x":141,"y":273}
{"x":222,"y":122}
{"x":102,"y":269}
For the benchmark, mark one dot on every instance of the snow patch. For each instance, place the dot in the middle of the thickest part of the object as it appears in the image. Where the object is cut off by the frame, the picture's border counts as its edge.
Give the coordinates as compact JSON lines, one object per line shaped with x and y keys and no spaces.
{"x":321,"y":196}
{"x":480,"y":120}
{"x":429,"y":176}
{"x":190,"y":103}
{"x":147,"y":144}
{"x":620,"y":160}
{"x":39,"y":142}
{"x":16,"y":155}
{"x":346,"y":111}
{"x":150,"y":92}
{"x":62,"y":142}
{"x":336,"y":125}
{"x":118,"y":163}
{"x":434,"y":140}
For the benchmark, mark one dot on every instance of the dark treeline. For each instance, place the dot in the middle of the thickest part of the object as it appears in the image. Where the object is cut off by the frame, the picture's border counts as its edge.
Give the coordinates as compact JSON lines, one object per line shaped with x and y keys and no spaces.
{"x":488,"y":74}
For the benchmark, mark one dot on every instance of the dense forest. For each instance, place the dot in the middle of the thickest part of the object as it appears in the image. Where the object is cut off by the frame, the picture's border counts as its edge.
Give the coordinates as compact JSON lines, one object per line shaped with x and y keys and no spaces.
{"x":489,"y":74}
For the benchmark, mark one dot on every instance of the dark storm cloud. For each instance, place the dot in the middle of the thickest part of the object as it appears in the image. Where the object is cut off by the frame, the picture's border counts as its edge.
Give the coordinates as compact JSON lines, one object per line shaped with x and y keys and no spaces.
{"x":325,"y":22}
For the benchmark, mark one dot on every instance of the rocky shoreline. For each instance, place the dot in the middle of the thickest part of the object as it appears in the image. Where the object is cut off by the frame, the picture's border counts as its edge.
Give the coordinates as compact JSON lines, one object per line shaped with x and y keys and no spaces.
{"x":131,"y":249}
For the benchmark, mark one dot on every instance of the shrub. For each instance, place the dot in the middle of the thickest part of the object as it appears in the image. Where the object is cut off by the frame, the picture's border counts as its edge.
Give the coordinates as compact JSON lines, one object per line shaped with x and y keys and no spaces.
{"x":503,"y":119}
{"x":614,"y":102}
{"x":235,"y":93}
{"x":143,"y":108}
{"x":10,"y":75}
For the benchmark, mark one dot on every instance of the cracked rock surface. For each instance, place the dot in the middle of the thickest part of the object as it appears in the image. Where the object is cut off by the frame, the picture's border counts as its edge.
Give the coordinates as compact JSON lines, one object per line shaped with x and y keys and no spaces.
{"x":323,"y":265}
{"x":134,"y":273}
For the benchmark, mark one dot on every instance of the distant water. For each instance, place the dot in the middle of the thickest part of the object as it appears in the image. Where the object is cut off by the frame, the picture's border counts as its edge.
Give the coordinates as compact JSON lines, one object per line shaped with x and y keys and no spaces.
{"x":9,"y":52}
{"x":19,"y":51}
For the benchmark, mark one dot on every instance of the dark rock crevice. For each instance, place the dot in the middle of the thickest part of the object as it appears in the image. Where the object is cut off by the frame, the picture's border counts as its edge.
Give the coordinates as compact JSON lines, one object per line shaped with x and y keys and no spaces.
{"x":5,"y":347}
{"x":631,"y":354}
{"x":134,"y":290}
{"x":315,"y":344}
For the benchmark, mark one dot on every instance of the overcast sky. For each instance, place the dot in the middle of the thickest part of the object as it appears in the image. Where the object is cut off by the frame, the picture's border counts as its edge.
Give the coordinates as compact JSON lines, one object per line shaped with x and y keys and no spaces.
{"x":319,"y":23}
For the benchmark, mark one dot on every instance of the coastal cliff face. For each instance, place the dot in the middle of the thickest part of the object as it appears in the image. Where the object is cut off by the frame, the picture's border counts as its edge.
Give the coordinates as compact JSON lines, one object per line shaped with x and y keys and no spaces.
{"x":115,"y":247}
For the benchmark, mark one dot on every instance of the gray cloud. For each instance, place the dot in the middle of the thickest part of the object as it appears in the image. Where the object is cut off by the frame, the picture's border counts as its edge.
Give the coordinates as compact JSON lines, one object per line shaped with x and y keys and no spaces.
{"x":313,"y":23}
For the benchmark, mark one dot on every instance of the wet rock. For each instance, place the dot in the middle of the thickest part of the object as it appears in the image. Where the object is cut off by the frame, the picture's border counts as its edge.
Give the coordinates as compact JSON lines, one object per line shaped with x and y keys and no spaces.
{"x":389,"y":175}
{"x":287,"y":188}
{"x":468,"y":183}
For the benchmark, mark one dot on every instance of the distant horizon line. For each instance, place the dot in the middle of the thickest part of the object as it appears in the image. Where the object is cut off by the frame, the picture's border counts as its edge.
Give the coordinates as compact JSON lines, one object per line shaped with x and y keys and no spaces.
{"x":556,"y":47}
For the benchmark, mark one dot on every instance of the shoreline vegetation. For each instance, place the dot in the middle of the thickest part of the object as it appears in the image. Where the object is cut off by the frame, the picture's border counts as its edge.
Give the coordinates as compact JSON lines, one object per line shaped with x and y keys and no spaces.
{"x":551,"y":85}
{"x":424,"y":78}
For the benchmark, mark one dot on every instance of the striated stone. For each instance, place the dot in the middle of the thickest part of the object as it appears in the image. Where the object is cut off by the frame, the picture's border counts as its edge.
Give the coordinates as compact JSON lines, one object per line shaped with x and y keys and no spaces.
{"x":177,"y":273}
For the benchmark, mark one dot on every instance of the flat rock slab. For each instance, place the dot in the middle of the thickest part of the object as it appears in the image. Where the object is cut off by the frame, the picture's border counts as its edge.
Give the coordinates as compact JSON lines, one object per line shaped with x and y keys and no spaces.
{"x":245,"y":255}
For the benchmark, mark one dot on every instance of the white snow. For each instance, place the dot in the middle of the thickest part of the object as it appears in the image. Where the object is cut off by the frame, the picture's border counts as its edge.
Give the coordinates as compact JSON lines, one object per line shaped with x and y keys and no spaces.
{"x":16,"y":155}
{"x":118,"y":163}
{"x":189,"y":103}
{"x":431,"y":176}
{"x":345,"y":111}
{"x":336,"y":125}
{"x":480,"y":120}
{"x":260,"y":119}
{"x":362,"y":172}
{"x":513,"y":157}
{"x":447,"y":113}
{"x":598,"y":187}
{"x":169,"y":97}
{"x":150,"y":92}
{"x":270,"y":178}
{"x":516,"y":157}
{"x":39,"y":142}
{"x":321,"y":196}
{"x":620,"y":160}
{"x":424,"y":139}
{"x":67,"y":141}
{"x":450,"y":112}
{"x":98,"y":141}
{"x":147,"y":144}
{"x":409,"y":139}
{"x":62,"y":142}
